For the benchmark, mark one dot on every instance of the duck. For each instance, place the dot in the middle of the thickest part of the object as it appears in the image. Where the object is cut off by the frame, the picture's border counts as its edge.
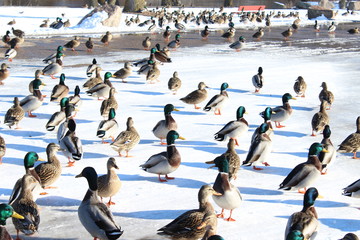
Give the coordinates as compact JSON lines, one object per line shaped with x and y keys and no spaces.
{"x":38,"y":72}
{"x":153,"y":74}
{"x":57,"y":24}
{"x":89,"y":44}
{"x":196,"y":96}
{"x":6,"y":211}
{"x":71,"y":144}
{"x":109,"y":184}
{"x":326,"y":95}
{"x":259,"y":34}
{"x":167,"y":34}
{"x":234,"y":129}
{"x":101,"y":90}
{"x":124,"y":72}
{"x":353,"y":30}
{"x":295,"y":235}
{"x":67,"y":23}
{"x":55,"y":67}
{"x":127,"y":139}
{"x":93,"y":81}
{"x":73,"y":43}
{"x":18,"y":32}
{"x":4,"y":73}
{"x":25,"y":205}
{"x":144,"y":69}
{"x":34,"y":101}
{"x":106,"y":39}
{"x":179,"y":26}
{"x":174,"y":83}
{"x":160,"y":55}
{"x":94,"y":215}
{"x":350,"y":236}
{"x":316,"y":26}
{"x":146,"y":43}
{"x":163,"y":127}
{"x":306,"y":173}
{"x":258,"y":80}
{"x":164,"y":163}
{"x":58,"y":117}
{"x":91,"y":69}
{"x":320,"y":119}
{"x":300,"y":87}
{"x":11,"y":53}
{"x":230,"y":197}
{"x":52,"y":57}
{"x":332,"y":28}
{"x":229,"y":34}
{"x":189,"y":225}
{"x":306,"y":220}
{"x":174,"y":43}
{"x":266,"y":114}
{"x":260,"y":149}
{"x":352,"y":142}
{"x":76,"y":100}
{"x":238,"y":45}
{"x":6,"y":38}
{"x":205,"y":32}
{"x":217,"y":102}
{"x":327,"y":158}
{"x":282,"y":113}
{"x":353,"y":190}
{"x":286,"y":34}
{"x":63,"y":127}
{"x":2,"y":148}
{"x":108,"y":128}
{"x":14,"y":114}
{"x":60,"y":90}
{"x":108,"y":103}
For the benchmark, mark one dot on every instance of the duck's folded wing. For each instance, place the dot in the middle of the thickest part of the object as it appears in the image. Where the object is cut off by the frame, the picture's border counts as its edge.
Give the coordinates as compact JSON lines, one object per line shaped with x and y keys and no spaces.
{"x":154,"y":160}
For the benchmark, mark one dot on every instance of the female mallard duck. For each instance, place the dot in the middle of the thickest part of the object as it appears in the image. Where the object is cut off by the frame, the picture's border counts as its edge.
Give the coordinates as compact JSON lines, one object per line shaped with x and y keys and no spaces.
{"x":352,"y":142}
{"x":326,"y":95}
{"x":205,"y":33}
{"x":127,"y":139}
{"x":306,"y":220}
{"x":230,"y":197}
{"x":306,"y":173}
{"x":94,"y":215}
{"x":60,"y":90}
{"x":174,"y":83}
{"x":25,"y":205}
{"x":167,"y":34}
{"x":101,"y":90}
{"x":300,"y":87}
{"x":218,"y":101}
{"x":238,"y":45}
{"x":320,"y":119}
{"x":197,"y":96}
{"x":189,"y":224}
{"x":71,"y":144}
{"x":49,"y":171}
{"x":6,"y":38}
{"x":229,"y":34}
{"x":165,"y":162}
{"x":350,"y":236}
{"x":258,"y":34}
{"x":89,"y":44}
{"x":55,"y":67}
{"x":52,"y":58}
{"x":258,"y":80}
{"x":90,"y":70}
{"x":73,"y":43}
{"x":174,"y":43}
{"x":4,"y":73}
{"x":16,"y":42}
{"x":353,"y":30}
{"x":109,"y":103}
{"x":11,"y":53}
{"x":106,"y":39}
{"x":153,"y":74}
{"x":282,"y":113}
{"x":353,"y":190}
{"x":160,"y":55}
{"x":18,"y":32}
{"x":163,"y":127}
{"x":37,"y":77}
{"x":2,"y":148}
{"x":327,"y":158}
{"x":6,"y":211}
{"x":259,"y":149}
{"x":146,"y":43}
{"x":234,"y":129}
{"x":332,"y":28}
{"x":58,"y":117}
{"x":109,"y":184}
{"x":108,"y":128}
{"x":93,"y":81}
{"x":14,"y":115}
{"x":34,"y":101}
{"x":124,"y":72}
{"x":288,"y":33}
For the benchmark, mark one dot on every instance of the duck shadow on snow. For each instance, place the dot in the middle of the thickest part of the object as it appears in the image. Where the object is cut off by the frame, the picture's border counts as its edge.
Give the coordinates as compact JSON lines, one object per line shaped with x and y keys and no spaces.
{"x":56,"y":201}
{"x":25,"y":148}
{"x":297,"y":154}
{"x":281,"y":171}
{"x":152,"y":214}
{"x":12,"y":96}
{"x":299,"y":202}
{"x":269,"y":96}
{"x":145,"y":92}
{"x":237,"y":90}
{"x":259,"y":191}
{"x":189,"y":113}
{"x":346,"y":225}
{"x":22,"y":133}
{"x":290,"y":134}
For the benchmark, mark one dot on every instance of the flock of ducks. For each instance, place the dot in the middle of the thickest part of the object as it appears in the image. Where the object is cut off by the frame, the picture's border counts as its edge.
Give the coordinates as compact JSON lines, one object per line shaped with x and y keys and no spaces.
{"x":200,"y":223}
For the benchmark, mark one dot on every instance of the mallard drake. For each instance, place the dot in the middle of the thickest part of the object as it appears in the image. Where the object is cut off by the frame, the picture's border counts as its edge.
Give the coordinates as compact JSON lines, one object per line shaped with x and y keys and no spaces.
{"x":58,"y":117}
{"x":300,"y":87}
{"x":55,"y":67}
{"x":63,"y":127}
{"x":16,"y":42}
{"x":352,"y":142}
{"x":108,"y":128}
{"x":124,"y":72}
{"x":258,"y":80}
{"x":197,"y":96}
{"x":230,"y":197}
{"x":109,"y":184}
{"x":316,"y":26}
{"x":49,"y":171}
{"x":106,"y":39}
{"x":90,"y":70}
{"x":25,"y":205}
{"x":167,"y":34}
{"x":108,"y":103}
{"x":93,"y":81}
{"x":165,"y":162}
{"x":205,"y":33}
{"x":94,"y":215}
{"x":326,"y":95}
{"x":174,"y":43}
{"x":146,"y":43}
{"x":160,"y":55}
{"x":234,"y":129}
{"x":327,"y":158}
{"x":286,"y":34}
{"x":14,"y":114}
{"x":73,"y":43}
{"x":18,"y":32}
{"x":34,"y":101}
{"x":144,"y":69}
{"x":267,"y":116}
{"x":76,"y":99}
{"x":57,"y":24}
{"x":6,"y":38}
{"x":332,"y":28}
{"x":10,"y":53}
{"x":320,"y":119}
{"x":353,"y":30}
{"x":89,"y":45}
{"x":101,"y":90}
{"x":189,"y":224}
{"x":60,"y":90}
{"x":4,"y":73}
{"x":295,"y":235}
{"x":217,"y":102}
{"x":174,"y":83}
{"x":163,"y":127}
{"x":259,"y":149}
{"x":282,"y":113}
{"x":258,"y":34}
{"x":306,"y":173}
{"x":2,"y":148}
{"x":6,"y":211}
{"x":238,"y":45}
{"x":350,"y":236}
{"x":179,"y":26}
{"x":153,"y":74}
{"x":127,"y":139}
{"x":353,"y":190}
{"x":52,"y":58}
{"x":37,"y":77}
{"x":306,"y":220}
{"x":71,"y":144}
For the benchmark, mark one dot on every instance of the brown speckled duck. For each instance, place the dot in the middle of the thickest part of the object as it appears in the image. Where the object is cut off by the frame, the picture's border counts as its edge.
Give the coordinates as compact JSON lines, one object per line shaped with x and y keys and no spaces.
{"x":109,"y":103}
{"x":300,"y":87}
{"x":320,"y":119}
{"x":2,"y":148}
{"x":14,"y":115}
{"x":4,"y":73}
{"x":326,"y":95}
{"x":60,"y":90}
{"x":197,"y":96}
{"x":351,"y":144}
{"x":127,"y":139}
{"x":109,"y":184}
{"x":174,"y":83}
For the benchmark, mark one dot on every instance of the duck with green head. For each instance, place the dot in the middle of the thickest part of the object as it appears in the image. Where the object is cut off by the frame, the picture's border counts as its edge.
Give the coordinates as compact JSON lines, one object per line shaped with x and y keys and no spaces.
{"x":327,"y":158}
{"x":60,"y":90}
{"x":160,"y":55}
{"x":52,"y":58}
{"x":55,"y":67}
{"x":217,"y":102}
{"x":6,"y":211}
{"x":282,"y":113}
{"x":101,"y":90}
{"x":58,"y":117}
{"x":33,"y":101}
{"x":108,"y":128}
{"x":266,"y":114}
{"x":238,"y":45}
{"x":163,"y":127}
{"x":174,"y":44}
{"x":71,"y":144}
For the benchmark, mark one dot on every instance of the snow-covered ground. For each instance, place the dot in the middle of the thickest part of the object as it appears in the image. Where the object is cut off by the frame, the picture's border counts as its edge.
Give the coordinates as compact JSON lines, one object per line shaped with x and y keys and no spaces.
{"x":143,"y":204}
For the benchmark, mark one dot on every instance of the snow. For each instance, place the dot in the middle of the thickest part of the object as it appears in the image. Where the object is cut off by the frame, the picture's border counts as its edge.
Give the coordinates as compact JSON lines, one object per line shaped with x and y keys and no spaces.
{"x":143,"y":204}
